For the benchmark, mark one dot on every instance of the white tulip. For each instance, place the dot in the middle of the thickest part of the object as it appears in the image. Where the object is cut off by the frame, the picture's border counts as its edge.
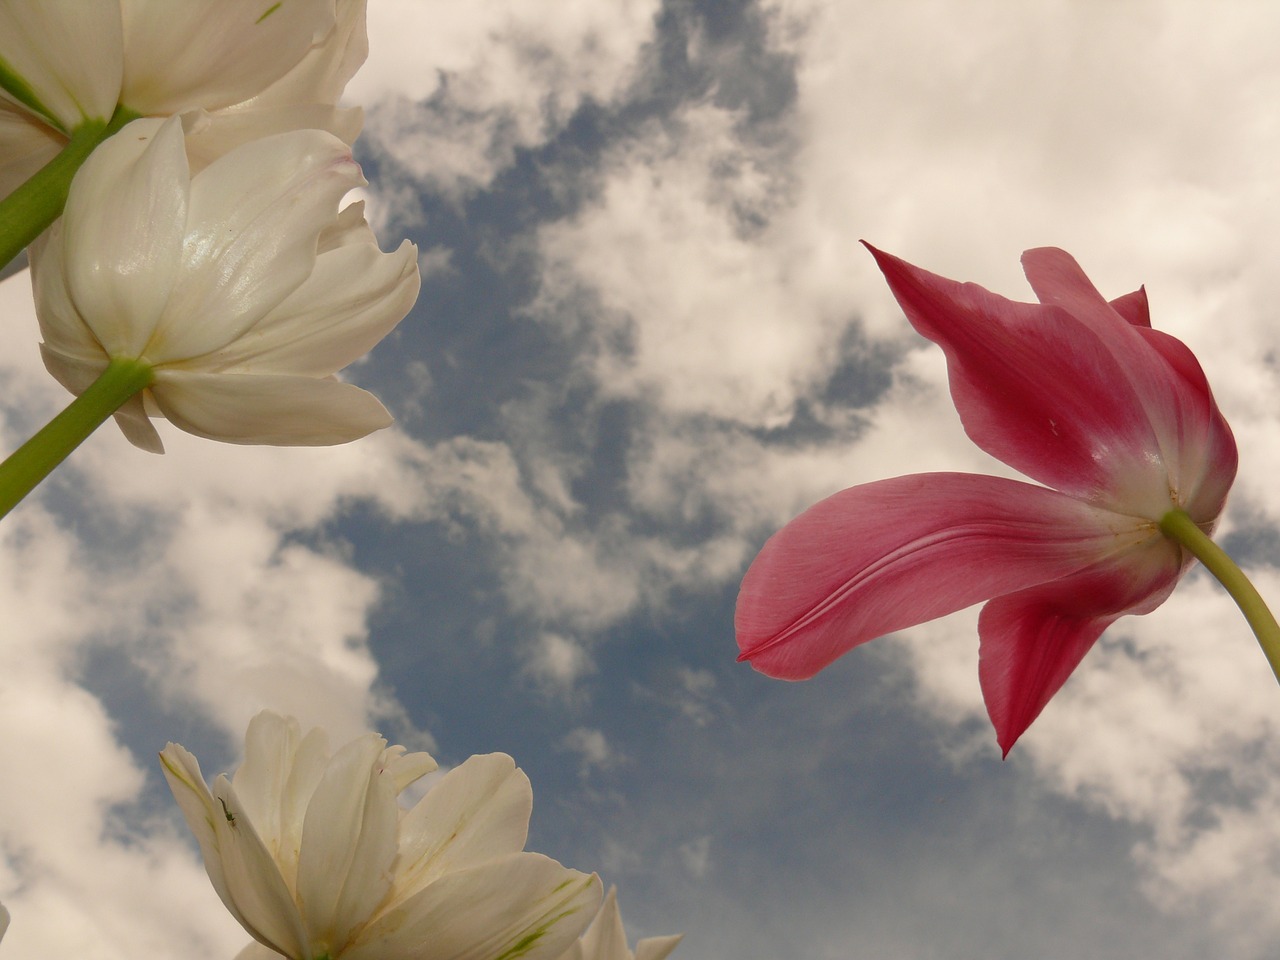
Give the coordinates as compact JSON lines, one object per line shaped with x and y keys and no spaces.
{"x":315,"y":858}
{"x":241,"y":286}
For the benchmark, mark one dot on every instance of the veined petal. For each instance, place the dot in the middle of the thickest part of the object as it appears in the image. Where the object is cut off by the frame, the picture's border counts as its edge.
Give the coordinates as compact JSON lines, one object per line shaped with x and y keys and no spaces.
{"x":122,"y":233}
{"x":255,"y":215}
{"x":891,"y":554}
{"x":287,"y":411}
{"x":62,"y":59}
{"x":180,"y":56}
{"x":355,"y":296}
{"x":479,"y":811}
{"x":1039,"y":388}
{"x":1032,"y":640}
{"x":524,"y":905}
{"x":348,"y":844}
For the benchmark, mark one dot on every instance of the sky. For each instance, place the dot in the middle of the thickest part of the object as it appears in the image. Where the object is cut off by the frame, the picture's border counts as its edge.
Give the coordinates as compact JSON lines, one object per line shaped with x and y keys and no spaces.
{"x":647,"y":337}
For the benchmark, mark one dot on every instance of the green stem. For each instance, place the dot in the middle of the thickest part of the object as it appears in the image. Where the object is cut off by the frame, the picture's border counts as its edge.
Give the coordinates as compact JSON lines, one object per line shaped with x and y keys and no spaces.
{"x":35,"y":459}
{"x":25,"y":213}
{"x":1177,"y":526}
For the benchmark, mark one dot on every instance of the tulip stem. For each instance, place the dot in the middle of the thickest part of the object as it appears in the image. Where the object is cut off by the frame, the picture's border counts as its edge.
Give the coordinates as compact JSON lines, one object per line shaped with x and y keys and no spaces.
{"x":35,"y":459}
{"x":1178,"y":526}
{"x":25,"y":213}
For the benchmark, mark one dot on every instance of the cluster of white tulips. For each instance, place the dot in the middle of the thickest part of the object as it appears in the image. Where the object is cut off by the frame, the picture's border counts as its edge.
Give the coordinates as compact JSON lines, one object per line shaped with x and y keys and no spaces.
{"x":176,"y":172}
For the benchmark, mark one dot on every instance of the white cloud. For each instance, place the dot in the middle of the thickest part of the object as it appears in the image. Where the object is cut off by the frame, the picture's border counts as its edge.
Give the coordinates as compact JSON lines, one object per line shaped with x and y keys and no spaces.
{"x":557,"y":663}
{"x":503,"y":74}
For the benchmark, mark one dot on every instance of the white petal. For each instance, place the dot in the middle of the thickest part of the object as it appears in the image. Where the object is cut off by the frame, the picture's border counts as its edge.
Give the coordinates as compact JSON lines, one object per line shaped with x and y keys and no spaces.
{"x":525,"y":905}
{"x":180,"y":56}
{"x":261,"y":901}
{"x":404,"y":768}
{"x":657,"y":948}
{"x":26,"y":145}
{"x":605,"y":939}
{"x":210,"y":136}
{"x":287,"y":411}
{"x":122,"y":233}
{"x":68,"y":55}
{"x":182,"y":771}
{"x":254,"y":218}
{"x":348,"y":844}
{"x":270,"y":744}
{"x":322,"y":75}
{"x":355,"y":296}
{"x":479,"y":811}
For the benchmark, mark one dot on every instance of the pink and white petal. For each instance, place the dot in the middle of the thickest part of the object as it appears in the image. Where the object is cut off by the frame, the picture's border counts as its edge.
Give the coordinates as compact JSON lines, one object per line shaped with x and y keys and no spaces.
{"x":285,"y":411}
{"x":1201,"y":480}
{"x":1032,"y":640}
{"x":1038,"y":388}
{"x":26,"y":145}
{"x":524,"y":905}
{"x":259,"y":897}
{"x":69,"y":55}
{"x":208,"y":55}
{"x":355,"y":296}
{"x":348,"y":844}
{"x":122,"y":233}
{"x":479,"y":811}
{"x":255,"y":215}
{"x":1163,"y":375}
{"x":894,"y":553}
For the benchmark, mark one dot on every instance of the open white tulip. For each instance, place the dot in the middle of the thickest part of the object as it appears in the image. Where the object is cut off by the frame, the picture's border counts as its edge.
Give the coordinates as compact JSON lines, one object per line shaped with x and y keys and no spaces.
{"x":244,"y":67}
{"x":242,"y":287}
{"x":316,"y":859}
{"x":605,"y":939}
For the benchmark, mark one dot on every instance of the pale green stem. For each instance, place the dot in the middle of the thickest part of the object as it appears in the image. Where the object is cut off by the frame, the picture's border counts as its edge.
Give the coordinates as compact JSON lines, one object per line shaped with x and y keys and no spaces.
{"x":25,"y":213}
{"x":1177,"y":526}
{"x":35,"y":459}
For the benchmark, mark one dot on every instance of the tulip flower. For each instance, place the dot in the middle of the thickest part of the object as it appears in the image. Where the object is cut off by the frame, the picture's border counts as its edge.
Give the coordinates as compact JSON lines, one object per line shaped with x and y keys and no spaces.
{"x":314,"y":857}
{"x":74,"y":71}
{"x":1080,"y":394}
{"x":605,"y":939}
{"x":240,"y":288}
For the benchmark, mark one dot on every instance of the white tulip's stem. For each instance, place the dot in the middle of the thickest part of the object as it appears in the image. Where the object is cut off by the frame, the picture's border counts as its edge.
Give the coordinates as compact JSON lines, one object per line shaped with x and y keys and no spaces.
{"x":1179,"y":527}
{"x":25,"y":213}
{"x":35,"y":459}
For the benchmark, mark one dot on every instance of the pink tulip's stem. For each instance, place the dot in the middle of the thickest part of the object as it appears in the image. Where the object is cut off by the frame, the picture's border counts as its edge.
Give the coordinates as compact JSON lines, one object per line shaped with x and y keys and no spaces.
{"x":25,"y":213}
{"x":1177,"y":526}
{"x":35,"y":459}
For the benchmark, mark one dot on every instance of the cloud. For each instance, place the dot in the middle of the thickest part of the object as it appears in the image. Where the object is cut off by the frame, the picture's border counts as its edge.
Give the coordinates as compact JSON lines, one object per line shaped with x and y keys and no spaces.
{"x":458,"y":86}
{"x":556,"y":664}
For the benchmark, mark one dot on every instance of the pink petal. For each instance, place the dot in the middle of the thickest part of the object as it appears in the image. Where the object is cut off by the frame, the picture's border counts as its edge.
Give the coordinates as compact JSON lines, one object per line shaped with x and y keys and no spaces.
{"x":1033,"y":639}
{"x":1070,"y":392}
{"x":891,"y":554}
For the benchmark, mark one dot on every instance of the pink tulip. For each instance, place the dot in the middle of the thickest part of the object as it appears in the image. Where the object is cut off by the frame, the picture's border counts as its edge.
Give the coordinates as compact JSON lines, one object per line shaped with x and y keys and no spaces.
{"x":1077,"y":393}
